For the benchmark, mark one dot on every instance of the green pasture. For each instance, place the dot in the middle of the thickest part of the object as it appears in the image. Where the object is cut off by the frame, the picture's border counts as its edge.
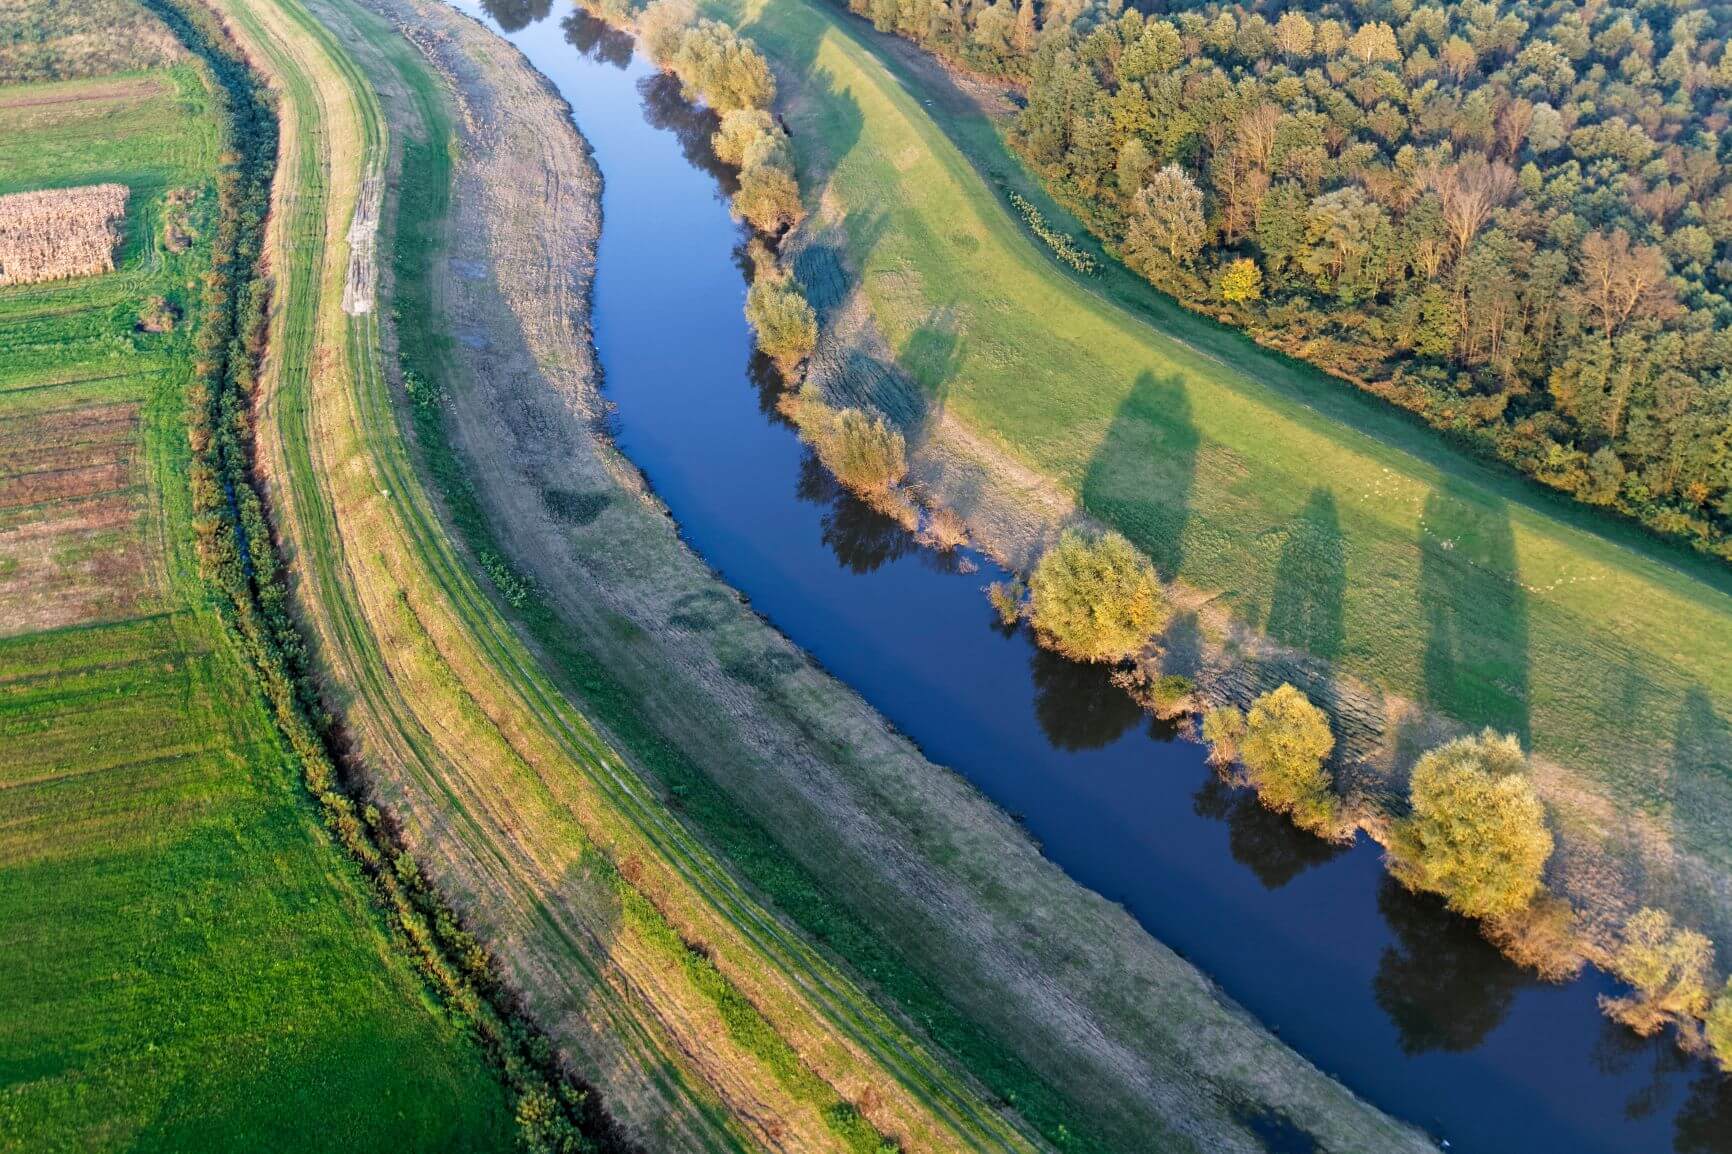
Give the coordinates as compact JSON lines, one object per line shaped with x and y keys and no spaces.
{"x":190,"y":964}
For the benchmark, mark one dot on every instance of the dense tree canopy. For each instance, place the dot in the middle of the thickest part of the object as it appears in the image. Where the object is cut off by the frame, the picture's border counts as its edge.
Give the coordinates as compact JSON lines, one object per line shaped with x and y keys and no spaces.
{"x":1095,"y":598}
{"x":1514,"y":219}
{"x":1477,"y":834}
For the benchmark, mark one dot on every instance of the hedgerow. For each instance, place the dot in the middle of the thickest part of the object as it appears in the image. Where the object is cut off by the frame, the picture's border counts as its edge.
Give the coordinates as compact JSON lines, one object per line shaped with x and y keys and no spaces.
{"x":241,"y":566}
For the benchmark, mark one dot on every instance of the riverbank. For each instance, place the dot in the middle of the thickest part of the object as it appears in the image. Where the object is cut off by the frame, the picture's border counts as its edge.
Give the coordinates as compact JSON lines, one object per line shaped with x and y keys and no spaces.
{"x":1313,"y":536}
{"x":617,"y":932}
{"x":700,"y":689}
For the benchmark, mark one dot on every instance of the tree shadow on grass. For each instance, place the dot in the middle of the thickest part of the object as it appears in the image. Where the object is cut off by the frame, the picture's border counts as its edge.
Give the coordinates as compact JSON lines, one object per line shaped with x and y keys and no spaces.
{"x":1701,"y":778}
{"x":1141,"y":476}
{"x":1476,"y":612}
{"x":1311,"y":581}
{"x":1442,"y":984}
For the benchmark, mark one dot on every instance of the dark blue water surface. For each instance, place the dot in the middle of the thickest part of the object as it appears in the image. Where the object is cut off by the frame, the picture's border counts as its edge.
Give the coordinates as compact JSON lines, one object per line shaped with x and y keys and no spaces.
{"x":1401,"y":1001}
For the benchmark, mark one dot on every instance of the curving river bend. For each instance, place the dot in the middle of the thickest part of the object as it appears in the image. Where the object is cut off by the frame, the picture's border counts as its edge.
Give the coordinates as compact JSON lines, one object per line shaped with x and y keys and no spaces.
{"x":1403,"y":1002}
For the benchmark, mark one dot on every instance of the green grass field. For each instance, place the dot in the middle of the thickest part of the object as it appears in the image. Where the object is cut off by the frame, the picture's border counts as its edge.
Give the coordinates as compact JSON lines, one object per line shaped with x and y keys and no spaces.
{"x":190,"y":964}
{"x":1316,"y":514}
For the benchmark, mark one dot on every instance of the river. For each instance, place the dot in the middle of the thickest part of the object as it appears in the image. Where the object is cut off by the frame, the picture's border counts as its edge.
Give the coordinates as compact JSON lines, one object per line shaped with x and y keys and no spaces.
{"x":1402,"y":1001}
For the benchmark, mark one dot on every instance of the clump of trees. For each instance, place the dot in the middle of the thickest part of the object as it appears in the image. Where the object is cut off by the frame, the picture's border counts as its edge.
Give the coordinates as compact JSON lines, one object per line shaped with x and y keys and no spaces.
{"x":1477,"y":834}
{"x":714,"y":63}
{"x":1095,"y":598}
{"x":1282,"y":743}
{"x":1513,"y":219}
{"x":785,"y":325}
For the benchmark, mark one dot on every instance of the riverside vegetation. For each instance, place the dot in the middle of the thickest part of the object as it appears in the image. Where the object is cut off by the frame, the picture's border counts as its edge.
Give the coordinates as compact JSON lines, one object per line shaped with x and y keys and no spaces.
{"x":706,"y":1021}
{"x":1507,"y":218}
{"x":1544,"y":932}
{"x":817,"y":746}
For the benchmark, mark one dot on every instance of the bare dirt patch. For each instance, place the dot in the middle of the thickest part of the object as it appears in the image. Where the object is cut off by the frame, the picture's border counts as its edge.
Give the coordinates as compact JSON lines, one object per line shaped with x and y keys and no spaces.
{"x":72,"y":544}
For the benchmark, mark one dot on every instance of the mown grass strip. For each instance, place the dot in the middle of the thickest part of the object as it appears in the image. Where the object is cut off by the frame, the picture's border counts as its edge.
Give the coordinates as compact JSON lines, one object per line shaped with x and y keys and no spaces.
{"x":238,"y":556}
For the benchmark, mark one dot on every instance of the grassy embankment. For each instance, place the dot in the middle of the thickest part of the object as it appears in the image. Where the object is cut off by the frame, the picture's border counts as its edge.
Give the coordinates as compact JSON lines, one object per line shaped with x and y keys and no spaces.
{"x":190,"y":963}
{"x":706,"y":1022}
{"x":1315,"y":516}
{"x":1054,"y":998}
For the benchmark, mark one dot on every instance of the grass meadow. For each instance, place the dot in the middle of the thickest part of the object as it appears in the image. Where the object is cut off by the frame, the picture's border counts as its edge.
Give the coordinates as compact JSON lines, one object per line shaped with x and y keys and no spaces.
{"x":190,"y":964}
{"x":1318,"y":516}
{"x":705,"y":1021}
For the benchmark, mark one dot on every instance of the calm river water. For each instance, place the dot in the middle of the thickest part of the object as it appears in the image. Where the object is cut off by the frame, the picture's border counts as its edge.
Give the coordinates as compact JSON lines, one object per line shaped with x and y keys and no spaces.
{"x":1400,"y":1000}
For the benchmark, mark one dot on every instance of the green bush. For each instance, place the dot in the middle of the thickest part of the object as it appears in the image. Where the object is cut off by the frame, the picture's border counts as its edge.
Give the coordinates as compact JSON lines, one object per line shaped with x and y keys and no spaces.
{"x":1285,"y":741}
{"x":1095,"y":598}
{"x":1006,"y":598}
{"x":786,"y":326}
{"x":1477,"y":834}
{"x":1717,"y":1027}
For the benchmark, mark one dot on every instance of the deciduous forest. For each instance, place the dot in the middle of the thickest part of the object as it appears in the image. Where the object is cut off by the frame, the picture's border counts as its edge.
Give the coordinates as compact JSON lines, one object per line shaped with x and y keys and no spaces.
{"x":1512,"y":220}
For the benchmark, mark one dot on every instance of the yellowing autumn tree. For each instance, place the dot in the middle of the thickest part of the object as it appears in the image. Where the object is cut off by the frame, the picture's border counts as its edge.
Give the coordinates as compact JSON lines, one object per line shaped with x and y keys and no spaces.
{"x":1477,"y":835}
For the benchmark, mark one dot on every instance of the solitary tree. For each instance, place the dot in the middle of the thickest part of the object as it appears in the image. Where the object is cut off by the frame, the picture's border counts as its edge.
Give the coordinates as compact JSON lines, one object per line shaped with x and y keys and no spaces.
{"x":865,"y":451}
{"x":1286,"y":739}
{"x":1095,"y":598}
{"x":1477,"y":834}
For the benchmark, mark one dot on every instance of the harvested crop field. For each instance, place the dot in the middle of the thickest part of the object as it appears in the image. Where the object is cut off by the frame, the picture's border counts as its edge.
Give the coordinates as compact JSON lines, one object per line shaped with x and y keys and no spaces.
{"x":58,"y":233}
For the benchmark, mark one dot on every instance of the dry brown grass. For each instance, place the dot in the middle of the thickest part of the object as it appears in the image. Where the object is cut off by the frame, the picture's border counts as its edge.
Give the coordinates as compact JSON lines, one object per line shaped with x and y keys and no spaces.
{"x":62,"y":39}
{"x":55,"y":233}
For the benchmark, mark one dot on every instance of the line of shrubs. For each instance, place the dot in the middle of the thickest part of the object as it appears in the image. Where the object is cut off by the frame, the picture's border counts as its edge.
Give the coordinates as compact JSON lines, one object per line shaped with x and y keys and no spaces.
{"x":1475,"y":832}
{"x":718,"y":67}
{"x":240,"y":564}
